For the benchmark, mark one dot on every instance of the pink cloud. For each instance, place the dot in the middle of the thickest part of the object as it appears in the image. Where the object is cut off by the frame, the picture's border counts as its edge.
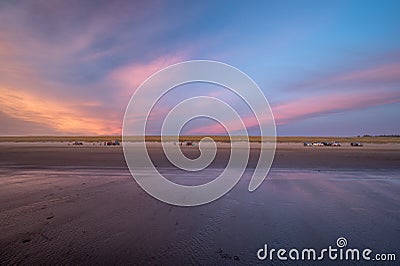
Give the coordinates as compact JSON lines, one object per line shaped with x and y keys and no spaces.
{"x":130,"y":77}
{"x":334,"y":102}
{"x":363,"y":76}
{"x":31,"y":93}
{"x":332,"y":99}
{"x":27,"y":103}
{"x":311,"y":106}
{"x":388,"y":72}
{"x":214,"y":129}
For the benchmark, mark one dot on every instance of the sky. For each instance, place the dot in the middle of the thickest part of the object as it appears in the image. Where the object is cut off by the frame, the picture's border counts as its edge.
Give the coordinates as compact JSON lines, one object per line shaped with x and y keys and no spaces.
{"x":327,"y":68}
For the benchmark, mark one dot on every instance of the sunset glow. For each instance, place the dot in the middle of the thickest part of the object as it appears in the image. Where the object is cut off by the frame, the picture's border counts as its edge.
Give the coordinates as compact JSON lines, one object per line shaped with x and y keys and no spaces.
{"x":70,"y":68}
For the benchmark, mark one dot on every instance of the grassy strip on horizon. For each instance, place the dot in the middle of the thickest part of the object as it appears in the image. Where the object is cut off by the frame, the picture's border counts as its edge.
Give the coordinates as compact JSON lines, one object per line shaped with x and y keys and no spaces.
{"x":280,"y":139}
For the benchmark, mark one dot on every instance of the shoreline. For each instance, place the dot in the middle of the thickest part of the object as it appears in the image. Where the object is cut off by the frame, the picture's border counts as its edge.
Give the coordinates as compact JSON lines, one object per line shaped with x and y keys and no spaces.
{"x":218,"y":139}
{"x":287,"y":155}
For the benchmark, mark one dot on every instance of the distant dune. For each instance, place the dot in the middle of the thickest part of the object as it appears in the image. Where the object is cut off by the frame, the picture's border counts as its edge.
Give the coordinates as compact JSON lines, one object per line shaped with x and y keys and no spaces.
{"x":280,"y":139}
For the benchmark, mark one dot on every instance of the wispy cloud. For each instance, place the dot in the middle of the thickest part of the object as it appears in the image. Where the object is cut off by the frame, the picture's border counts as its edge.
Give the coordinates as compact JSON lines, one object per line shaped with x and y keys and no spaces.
{"x":312,"y":106}
{"x":359,"y":77}
{"x":59,"y":76}
{"x":316,"y":102}
{"x":24,"y":101}
{"x":132,"y":75}
{"x":57,"y":115}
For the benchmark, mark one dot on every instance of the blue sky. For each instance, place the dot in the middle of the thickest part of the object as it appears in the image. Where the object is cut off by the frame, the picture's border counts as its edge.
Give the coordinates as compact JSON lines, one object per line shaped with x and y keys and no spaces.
{"x":327,"y":68}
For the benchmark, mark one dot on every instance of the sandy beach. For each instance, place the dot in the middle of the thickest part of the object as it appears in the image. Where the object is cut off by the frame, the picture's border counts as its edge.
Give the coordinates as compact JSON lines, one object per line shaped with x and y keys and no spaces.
{"x":288,"y":155}
{"x":63,"y":204}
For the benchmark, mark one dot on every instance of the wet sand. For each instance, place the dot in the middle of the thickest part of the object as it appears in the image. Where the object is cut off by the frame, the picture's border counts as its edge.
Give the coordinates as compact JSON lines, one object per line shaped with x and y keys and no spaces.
{"x":63,"y":204}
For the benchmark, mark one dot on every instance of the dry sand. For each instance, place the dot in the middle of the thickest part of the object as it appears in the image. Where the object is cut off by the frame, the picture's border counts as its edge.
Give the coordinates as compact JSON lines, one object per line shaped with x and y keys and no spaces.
{"x":288,"y":155}
{"x":64,"y":204}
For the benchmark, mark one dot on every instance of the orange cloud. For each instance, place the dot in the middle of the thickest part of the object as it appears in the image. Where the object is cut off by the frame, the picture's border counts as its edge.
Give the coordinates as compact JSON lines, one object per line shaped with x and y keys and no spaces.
{"x":55,"y":114}
{"x":22,"y":98}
